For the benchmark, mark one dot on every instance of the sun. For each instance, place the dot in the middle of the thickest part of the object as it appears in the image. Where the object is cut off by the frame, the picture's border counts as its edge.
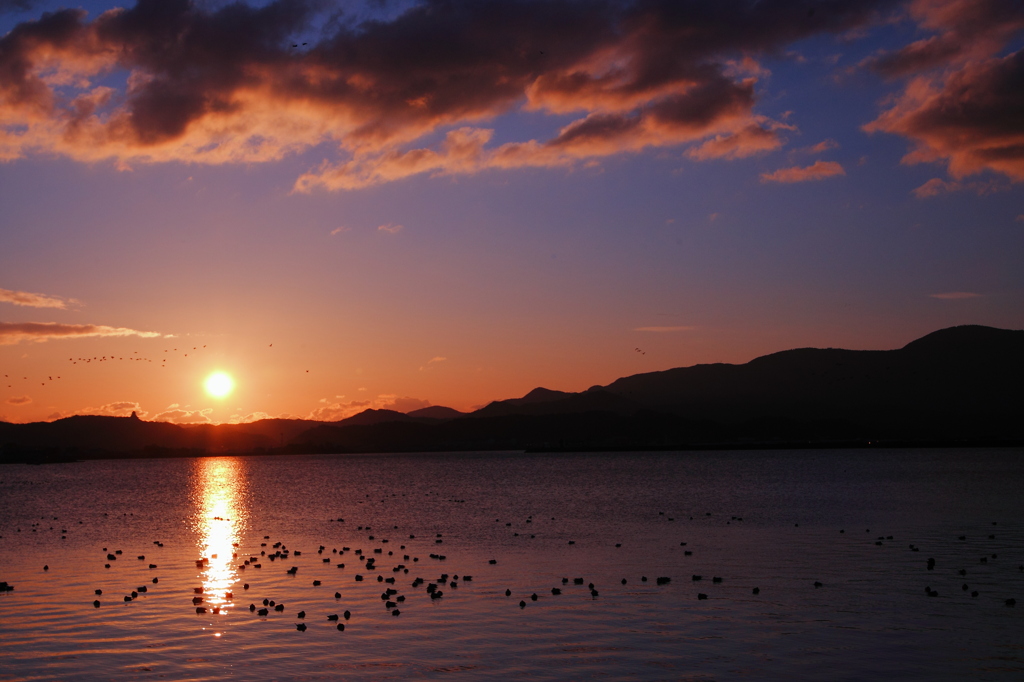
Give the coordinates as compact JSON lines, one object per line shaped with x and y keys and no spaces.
{"x":219,"y":384}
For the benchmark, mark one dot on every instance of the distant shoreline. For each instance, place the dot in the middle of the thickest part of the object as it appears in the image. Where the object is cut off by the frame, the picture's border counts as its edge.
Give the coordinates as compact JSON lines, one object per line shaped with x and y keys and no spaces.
{"x":41,"y":458}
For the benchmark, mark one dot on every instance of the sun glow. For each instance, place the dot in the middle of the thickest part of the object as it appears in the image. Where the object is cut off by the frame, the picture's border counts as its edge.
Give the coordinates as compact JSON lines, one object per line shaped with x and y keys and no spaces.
{"x":219,"y":384}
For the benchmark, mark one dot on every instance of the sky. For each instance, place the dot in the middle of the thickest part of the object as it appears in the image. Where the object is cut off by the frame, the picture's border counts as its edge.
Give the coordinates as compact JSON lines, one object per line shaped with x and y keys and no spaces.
{"x":352,"y":205}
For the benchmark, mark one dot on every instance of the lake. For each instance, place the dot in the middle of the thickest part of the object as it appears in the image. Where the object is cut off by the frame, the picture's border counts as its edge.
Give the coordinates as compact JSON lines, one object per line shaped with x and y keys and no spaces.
{"x":828,"y":539}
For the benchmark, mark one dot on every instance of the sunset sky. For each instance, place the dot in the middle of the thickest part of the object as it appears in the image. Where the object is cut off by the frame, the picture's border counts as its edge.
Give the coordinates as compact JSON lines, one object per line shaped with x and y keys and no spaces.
{"x":400,"y":204}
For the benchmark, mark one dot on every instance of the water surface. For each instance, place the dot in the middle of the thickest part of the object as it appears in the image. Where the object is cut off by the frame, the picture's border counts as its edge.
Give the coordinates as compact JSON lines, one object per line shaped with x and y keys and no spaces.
{"x":777,"y":521}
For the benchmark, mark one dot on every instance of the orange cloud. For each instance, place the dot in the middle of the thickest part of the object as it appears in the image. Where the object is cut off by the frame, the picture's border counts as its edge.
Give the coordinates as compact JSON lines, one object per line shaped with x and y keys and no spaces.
{"x":963,"y":30}
{"x":19,"y":400}
{"x":972,"y":119}
{"x":250,"y":418}
{"x":962,"y":104}
{"x":819,"y":170}
{"x":14,"y":332}
{"x":222,"y":83}
{"x":748,"y":141}
{"x":182,"y":415}
{"x":122,"y":408}
{"x":34,"y":300}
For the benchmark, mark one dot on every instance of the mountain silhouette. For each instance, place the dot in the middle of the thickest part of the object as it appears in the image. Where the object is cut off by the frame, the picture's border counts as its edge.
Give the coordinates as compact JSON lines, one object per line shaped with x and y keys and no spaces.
{"x":956,"y":386}
{"x":436,"y":412}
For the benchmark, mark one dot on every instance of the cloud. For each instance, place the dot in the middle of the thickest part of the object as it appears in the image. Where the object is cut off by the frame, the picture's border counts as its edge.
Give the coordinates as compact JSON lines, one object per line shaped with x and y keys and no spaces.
{"x":19,"y":400}
{"x":819,"y":170}
{"x":823,"y":146}
{"x":14,"y":332}
{"x":962,"y":105}
{"x":248,"y":418}
{"x":122,"y":408}
{"x":405,"y":404}
{"x":339,"y":230}
{"x":955,"y":296}
{"x":16,"y":5}
{"x":962,"y":31}
{"x":748,"y":141}
{"x":214,"y":83}
{"x":390,"y":228}
{"x":664,"y":329}
{"x":973,"y":119}
{"x":937,"y":186}
{"x":34,"y":300}
{"x":339,"y":410}
{"x":432,"y":361}
{"x":180,"y":415}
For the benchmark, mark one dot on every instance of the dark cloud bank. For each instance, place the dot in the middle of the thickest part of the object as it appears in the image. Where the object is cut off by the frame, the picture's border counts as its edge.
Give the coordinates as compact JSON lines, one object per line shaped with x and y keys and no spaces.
{"x":168,"y":80}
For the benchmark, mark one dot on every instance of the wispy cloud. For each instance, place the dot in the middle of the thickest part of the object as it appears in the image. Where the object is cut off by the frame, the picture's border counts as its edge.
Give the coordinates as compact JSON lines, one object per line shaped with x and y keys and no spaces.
{"x":14,"y":332}
{"x":390,"y":228}
{"x":248,"y":418}
{"x":819,"y":170}
{"x":122,"y":408}
{"x":823,"y":146}
{"x":937,"y":186}
{"x":664,"y":329}
{"x":182,"y":415}
{"x":339,"y":230}
{"x":31,"y":300}
{"x":433,"y":361}
{"x":19,"y":400}
{"x":955,"y":295}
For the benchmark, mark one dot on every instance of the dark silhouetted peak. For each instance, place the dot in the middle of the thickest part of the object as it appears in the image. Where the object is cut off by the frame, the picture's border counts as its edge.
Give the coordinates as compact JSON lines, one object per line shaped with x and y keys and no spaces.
{"x":558,"y":402}
{"x":436,"y":412}
{"x":134,"y":416}
{"x":968,"y":338}
{"x":372,"y":416}
{"x":538,"y":395}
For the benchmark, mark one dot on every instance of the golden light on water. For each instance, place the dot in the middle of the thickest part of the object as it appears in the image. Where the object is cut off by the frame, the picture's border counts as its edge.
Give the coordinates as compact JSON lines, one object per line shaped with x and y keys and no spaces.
{"x":219,"y":384}
{"x":219,"y":520}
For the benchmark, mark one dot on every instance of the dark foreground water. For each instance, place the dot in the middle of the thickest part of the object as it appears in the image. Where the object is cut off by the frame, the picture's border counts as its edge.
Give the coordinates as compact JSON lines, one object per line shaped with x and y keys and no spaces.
{"x":783,"y":522}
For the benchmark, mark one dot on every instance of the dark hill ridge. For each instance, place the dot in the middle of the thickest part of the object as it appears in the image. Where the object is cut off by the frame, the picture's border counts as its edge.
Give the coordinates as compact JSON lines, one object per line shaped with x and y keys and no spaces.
{"x":957,"y":385}
{"x":962,"y":372}
{"x":436,"y":412}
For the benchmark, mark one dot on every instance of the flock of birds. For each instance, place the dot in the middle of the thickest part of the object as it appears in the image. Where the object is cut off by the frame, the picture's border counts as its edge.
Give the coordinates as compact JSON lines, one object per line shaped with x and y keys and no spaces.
{"x":134,"y":356}
{"x":207,"y":602}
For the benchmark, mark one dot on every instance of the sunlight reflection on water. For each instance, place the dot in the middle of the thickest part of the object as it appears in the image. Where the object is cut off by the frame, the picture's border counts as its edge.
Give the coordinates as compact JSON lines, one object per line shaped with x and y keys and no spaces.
{"x":219,"y":521}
